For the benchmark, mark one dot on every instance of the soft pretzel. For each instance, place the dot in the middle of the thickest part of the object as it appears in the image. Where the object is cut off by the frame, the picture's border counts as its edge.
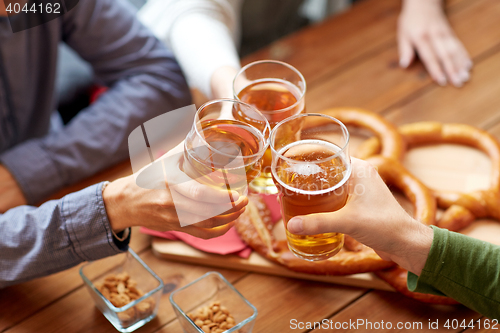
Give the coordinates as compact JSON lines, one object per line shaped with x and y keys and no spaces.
{"x":393,"y":145}
{"x":461,"y":208}
{"x":255,"y":228}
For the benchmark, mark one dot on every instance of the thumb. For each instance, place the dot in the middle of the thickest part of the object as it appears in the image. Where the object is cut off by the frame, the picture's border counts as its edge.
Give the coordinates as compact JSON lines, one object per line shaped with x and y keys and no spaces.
{"x":318,"y":223}
{"x":406,"y":52}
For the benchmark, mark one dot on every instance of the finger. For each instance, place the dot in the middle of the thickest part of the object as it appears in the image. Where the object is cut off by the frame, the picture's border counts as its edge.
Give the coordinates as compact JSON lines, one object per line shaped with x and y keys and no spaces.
{"x":463,"y":58}
{"x":203,"y":193}
{"x":219,"y":220}
{"x":430,"y":60}
{"x":447,"y":51}
{"x":318,"y":223}
{"x":207,"y":233}
{"x":406,"y":53}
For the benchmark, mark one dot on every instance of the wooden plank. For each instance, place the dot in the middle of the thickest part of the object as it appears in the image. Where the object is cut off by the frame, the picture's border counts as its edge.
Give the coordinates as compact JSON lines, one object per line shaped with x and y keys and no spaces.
{"x":474,"y":104}
{"x":394,"y":308}
{"x":117,"y":171}
{"x":86,"y":318}
{"x":341,"y":40}
{"x":21,"y":301}
{"x":377,"y":83}
{"x":179,"y":251}
{"x":279,"y":300}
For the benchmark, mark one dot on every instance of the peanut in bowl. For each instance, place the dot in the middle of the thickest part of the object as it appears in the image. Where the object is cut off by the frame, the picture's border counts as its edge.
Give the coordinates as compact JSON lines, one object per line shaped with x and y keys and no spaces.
{"x":124,"y":289}
{"x":211,"y":304}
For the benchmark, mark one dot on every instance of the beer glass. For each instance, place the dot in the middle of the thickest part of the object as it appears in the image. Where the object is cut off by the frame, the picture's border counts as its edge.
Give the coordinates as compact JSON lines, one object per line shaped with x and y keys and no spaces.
{"x":311,"y":170}
{"x":224,"y":152}
{"x":277,"y":90}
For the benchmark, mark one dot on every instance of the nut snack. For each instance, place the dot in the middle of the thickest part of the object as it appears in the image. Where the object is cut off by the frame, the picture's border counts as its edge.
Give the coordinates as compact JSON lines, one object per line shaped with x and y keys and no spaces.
{"x":120,"y":289}
{"x":213,"y":318}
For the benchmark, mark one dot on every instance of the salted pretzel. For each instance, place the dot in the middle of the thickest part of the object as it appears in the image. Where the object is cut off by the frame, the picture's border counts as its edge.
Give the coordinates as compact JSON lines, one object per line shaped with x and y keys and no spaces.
{"x":461,"y":208}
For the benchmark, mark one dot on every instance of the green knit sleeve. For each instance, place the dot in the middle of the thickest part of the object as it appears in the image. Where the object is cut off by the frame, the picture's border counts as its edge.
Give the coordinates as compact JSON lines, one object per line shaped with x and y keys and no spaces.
{"x":463,"y":268}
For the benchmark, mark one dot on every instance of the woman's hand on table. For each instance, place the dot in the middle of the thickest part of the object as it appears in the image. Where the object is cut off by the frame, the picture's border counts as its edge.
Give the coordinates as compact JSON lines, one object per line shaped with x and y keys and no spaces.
{"x":424,"y":29}
{"x":128,"y":204}
{"x":373,"y":217}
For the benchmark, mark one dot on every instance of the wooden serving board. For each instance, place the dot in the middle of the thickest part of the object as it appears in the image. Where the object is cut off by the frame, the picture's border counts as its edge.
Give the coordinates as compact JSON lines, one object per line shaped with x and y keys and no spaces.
{"x":447,"y":167}
{"x":180,"y":251}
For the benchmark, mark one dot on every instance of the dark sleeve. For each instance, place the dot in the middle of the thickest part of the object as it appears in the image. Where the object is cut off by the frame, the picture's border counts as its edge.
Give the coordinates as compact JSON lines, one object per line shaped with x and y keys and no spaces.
{"x":463,"y":268}
{"x":144,"y":80}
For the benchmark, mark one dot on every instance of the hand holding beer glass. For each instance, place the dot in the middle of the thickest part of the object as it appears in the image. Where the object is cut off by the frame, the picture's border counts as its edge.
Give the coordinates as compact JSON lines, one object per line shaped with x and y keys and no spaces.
{"x":311,"y":169}
{"x":277,"y":90}
{"x":223,"y":152}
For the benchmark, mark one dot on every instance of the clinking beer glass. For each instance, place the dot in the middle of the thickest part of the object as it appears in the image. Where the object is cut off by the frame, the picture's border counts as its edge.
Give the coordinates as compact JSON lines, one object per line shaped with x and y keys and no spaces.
{"x":277,"y":90}
{"x":311,"y":170}
{"x":224,"y":152}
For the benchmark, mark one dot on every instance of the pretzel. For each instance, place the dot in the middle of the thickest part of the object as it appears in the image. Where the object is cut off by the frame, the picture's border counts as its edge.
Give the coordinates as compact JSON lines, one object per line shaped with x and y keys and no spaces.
{"x":461,"y":208}
{"x":393,"y":145}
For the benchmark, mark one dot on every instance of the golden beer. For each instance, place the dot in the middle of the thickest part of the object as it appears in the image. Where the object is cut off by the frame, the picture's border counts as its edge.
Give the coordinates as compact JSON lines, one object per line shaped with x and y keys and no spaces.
{"x":224,"y":159}
{"x":277,"y":100}
{"x":317,"y":184}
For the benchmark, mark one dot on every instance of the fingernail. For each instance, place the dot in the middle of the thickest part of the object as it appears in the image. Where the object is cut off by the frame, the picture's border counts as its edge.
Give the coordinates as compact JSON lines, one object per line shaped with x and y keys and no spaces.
{"x":441,"y":81}
{"x":456,"y":81}
{"x":464,"y":76}
{"x":404,"y":63}
{"x":235,"y":195}
{"x":295,"y":225}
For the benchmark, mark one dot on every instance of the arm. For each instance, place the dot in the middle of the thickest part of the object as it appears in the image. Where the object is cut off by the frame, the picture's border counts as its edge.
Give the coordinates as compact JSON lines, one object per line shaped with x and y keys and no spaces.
{"x":144,"y":82}
{"x":448,"y":263}
{"x":60,"y":234}
{"x":424,"y":29}
{"x":464,"y":268}
{"x":202,"y":34}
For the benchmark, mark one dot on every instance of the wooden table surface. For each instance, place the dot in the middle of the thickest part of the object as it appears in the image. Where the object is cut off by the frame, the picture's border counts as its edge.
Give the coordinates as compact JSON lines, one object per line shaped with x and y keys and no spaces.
{"x":350,"y":60}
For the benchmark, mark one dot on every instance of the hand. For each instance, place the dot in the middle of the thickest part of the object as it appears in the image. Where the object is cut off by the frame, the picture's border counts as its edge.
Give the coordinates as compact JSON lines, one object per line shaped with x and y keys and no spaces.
{"x":373,"y":217}
{"x":10,"y":193}
{"x":424,"y":29}
{"x":128,"y":204}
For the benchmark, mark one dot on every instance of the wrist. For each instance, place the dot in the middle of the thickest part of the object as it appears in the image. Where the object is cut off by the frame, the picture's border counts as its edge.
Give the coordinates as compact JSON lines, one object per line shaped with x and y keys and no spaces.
{"x":412,"y":4}
{"x":416,"y":243}
{"x":113,"y":197}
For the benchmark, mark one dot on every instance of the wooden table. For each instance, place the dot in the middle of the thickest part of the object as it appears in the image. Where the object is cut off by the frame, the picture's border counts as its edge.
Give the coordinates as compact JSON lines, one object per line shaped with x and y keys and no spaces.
{"x":350,"y":60}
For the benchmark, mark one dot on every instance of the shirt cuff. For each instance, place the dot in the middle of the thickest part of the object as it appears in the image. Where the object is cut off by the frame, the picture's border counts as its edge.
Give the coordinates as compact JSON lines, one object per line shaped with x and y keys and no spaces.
{"x":34,"y":171}
{"x":433,"y":265}
{"x":88,"y":225}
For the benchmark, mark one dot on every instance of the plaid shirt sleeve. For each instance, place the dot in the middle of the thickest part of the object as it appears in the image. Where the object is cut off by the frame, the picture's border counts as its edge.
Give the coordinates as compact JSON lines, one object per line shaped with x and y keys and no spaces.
{"x":35,"y":242}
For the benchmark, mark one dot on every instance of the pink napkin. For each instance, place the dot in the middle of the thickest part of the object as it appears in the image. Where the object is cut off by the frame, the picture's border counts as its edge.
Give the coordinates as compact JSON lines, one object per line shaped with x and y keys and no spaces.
{"x":229,"y":243}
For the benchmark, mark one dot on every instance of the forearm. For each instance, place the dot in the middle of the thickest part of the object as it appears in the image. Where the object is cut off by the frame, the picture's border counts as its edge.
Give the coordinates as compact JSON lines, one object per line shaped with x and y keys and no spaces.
{"x":203,"y":35}
{"x":463,"y":268}
{"x":35,"y":242}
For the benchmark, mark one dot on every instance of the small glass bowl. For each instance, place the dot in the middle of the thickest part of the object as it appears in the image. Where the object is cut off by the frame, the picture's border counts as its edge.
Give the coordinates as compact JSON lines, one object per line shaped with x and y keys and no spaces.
{"x":209,"y":288}
{"x":136,"y":313}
